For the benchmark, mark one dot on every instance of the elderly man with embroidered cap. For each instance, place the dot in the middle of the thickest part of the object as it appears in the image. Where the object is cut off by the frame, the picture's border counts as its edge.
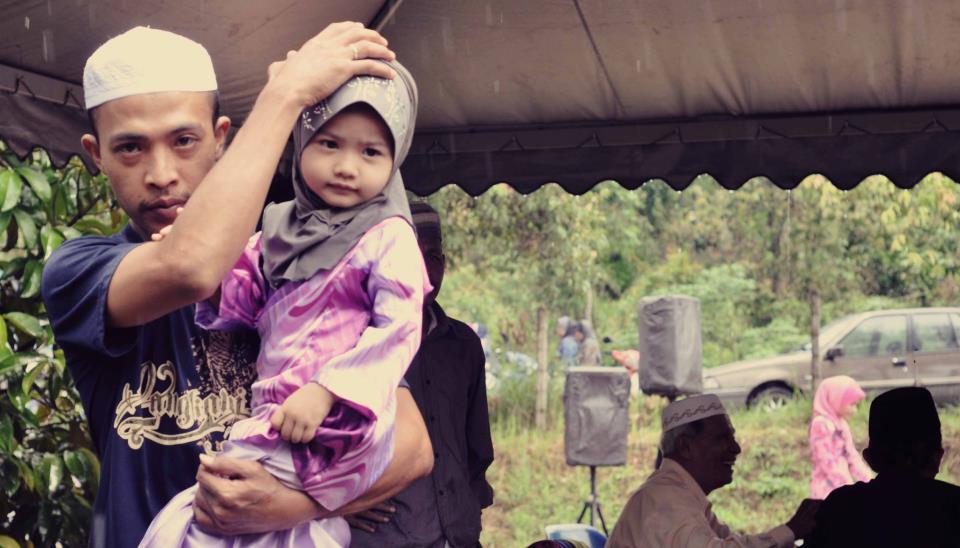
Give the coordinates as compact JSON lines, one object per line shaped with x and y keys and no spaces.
{"x":121,"y":306}
{"x":671,"y":508}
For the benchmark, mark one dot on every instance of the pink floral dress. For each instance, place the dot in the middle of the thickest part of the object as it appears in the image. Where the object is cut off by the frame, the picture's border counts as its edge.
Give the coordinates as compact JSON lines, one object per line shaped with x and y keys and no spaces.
{"x":836,"y":461}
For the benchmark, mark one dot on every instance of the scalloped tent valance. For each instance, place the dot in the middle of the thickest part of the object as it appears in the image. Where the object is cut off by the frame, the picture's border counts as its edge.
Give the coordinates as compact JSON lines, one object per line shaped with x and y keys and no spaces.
{"x":573,"y":92}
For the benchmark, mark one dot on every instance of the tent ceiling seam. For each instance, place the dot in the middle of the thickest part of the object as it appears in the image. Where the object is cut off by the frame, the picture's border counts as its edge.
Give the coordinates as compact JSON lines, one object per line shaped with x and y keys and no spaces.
{"x":603,"y":65}
{"x":384,"y":15}
{"x":38,"y":86}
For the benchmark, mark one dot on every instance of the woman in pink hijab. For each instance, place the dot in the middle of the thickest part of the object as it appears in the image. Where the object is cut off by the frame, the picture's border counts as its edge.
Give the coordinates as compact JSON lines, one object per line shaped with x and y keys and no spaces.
{"x":836,"y":461}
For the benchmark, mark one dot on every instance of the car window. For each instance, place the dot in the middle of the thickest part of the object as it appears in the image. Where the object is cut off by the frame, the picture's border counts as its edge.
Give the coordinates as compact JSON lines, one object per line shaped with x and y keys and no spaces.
{"x":955,"y":318}
{"x":934,"y":333}
{"x":830,"y":331}
{"x":879,"y":336}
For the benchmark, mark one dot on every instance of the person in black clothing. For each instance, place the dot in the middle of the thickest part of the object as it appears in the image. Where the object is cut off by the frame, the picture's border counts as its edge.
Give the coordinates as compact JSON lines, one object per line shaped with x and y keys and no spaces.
{"x":447,"y":380}
{"x":904,"y":505}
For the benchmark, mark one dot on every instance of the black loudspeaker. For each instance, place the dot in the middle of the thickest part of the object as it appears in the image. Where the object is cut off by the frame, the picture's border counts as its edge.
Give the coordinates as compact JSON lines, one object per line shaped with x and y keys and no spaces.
{"x":671,"y":353}
{"x":596,"y":418}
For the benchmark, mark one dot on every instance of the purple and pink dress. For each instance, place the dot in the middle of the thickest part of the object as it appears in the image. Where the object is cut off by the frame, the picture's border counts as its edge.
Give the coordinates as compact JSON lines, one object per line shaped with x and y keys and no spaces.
{"x":353,"y":329}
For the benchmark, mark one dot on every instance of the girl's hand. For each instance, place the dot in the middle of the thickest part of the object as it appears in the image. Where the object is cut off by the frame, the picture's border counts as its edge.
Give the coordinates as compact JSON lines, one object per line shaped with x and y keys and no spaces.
{"x":157,"y":236}
{"x":302,"y":412}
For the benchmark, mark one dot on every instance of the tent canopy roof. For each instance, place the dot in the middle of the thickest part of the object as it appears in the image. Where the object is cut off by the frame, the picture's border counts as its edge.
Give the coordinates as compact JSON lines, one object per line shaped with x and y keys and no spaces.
{"x":567,"y":91}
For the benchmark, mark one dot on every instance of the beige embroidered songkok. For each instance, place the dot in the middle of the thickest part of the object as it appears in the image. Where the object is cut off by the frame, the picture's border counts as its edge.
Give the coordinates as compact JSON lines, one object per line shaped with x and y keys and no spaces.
{"x":689,"y":410}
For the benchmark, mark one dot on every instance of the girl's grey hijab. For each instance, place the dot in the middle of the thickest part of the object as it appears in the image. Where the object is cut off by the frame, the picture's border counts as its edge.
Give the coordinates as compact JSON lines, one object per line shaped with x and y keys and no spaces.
{"x":305,"y":235}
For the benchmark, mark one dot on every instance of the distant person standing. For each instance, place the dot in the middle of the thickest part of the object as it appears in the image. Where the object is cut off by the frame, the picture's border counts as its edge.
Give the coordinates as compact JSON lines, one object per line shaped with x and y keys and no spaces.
{"x":589,"y":352}
{"x":568,"y":347}
{"x":836,"y":461}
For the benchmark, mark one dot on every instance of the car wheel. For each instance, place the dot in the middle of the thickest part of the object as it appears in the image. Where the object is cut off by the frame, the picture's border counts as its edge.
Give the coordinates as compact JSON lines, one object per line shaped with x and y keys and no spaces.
{"x":772,"y":397}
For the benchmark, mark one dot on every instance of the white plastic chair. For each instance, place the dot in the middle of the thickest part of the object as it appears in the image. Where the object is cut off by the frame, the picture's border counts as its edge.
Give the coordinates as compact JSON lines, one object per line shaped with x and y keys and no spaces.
{"x":590,"y":535}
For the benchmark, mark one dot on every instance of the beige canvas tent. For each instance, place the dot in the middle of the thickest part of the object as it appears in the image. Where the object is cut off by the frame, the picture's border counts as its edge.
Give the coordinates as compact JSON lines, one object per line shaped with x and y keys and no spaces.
{"x":575,"y":92}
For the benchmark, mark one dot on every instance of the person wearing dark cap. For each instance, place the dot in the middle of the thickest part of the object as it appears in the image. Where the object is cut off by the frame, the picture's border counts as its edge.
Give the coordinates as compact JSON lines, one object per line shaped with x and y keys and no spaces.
{"x":904,"y":505}
{"x":447,"y":380}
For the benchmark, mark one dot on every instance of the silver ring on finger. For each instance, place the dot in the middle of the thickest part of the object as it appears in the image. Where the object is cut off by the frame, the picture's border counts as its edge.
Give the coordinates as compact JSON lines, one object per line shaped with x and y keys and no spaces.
{"x":356,"y":51}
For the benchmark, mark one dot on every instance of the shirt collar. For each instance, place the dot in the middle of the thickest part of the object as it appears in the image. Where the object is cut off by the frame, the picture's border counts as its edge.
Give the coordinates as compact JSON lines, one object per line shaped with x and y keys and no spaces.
{"x":429,"y":321}
{"x":130,"y":234}
{"x":435,"y":320}
{"x":674,"y":468}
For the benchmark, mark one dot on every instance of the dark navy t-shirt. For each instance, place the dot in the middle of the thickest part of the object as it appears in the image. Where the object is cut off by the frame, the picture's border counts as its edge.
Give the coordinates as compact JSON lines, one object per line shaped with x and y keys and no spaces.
{"x":156,"y":396}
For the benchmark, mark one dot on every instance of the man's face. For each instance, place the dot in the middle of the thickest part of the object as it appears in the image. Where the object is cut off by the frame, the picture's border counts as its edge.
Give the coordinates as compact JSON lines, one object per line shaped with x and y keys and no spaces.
{"x":713,"y":453}
{"x":155,"y":149}
{"x":432,"y":250}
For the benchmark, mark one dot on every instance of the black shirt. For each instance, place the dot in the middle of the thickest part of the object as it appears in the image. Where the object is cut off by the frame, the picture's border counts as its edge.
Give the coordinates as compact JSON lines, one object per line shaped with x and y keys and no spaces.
{"x":890,"y":511}
{"x":447,"y":380}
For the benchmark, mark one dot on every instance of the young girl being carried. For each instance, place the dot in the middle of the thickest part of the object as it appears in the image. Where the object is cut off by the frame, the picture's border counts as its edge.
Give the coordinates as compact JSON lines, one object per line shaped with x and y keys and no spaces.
{"x":334,"y":285}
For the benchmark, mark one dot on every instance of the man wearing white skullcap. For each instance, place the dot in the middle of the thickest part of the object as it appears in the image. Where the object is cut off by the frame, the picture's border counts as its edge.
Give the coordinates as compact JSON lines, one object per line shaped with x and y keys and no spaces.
{"x":671,"y":508}
{"x":155,"y":394}
{"x":163,"y":61}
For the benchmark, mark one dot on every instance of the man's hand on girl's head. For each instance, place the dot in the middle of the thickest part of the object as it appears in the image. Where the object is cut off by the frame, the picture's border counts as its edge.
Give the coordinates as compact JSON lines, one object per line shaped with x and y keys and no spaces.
{"x":339,"y":52}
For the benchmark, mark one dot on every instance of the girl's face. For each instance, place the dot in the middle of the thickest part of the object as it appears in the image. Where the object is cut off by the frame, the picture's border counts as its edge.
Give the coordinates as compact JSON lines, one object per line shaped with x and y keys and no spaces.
{"x":847,"y":410}
{"x":350,"y":158}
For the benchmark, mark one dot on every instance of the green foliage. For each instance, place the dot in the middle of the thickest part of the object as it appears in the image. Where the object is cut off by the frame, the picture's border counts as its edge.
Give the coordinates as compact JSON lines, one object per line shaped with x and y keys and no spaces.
{"x":49,"y":469}
{"x":750,"y":256}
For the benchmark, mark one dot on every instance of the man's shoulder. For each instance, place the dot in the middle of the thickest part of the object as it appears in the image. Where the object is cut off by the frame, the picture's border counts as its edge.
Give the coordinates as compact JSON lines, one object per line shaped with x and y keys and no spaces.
{"x":73,"y":254}
{"x":83,"y":244}
{"x":459,"y":329}
{"x":662,"y":494}
{"x":661,"y":480}
{"x":844,"y":494}
{"x":946,"y":491}
{"x":463,"y":331}
{"x":865,"y":493}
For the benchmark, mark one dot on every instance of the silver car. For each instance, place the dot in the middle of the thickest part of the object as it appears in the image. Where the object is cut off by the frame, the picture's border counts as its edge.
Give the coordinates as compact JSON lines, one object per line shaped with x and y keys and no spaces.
{"x":881,"y":350}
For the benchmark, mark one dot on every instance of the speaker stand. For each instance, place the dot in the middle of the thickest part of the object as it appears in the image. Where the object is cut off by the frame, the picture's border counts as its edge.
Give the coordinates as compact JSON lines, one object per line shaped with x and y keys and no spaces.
{"x":592,"y":503}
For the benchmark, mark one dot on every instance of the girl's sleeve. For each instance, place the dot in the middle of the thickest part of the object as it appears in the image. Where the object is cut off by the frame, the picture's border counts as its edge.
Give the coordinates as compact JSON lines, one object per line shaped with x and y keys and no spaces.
{"x":827,"y":454}
{"x":241,"y":294}
{"x":369,"y":373}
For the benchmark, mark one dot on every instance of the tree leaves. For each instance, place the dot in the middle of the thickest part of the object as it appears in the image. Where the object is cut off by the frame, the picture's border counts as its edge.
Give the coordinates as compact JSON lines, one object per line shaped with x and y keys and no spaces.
{"x":24,"y":323}
{"x":31,"y":280}
{"x":50,"y":239}
{"x":37,"y":182}
{"x":28,"y":230}
{"x":48,"y":476}
{"x":10,"y":189}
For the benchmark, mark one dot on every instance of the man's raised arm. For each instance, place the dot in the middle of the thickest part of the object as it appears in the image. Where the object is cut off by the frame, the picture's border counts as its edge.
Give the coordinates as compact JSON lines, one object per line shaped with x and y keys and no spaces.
{"x":209,"y":234}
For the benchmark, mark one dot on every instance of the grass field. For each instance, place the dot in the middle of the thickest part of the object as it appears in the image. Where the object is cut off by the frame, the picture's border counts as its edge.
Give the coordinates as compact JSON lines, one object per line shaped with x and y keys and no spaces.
{"x":534,"y":486}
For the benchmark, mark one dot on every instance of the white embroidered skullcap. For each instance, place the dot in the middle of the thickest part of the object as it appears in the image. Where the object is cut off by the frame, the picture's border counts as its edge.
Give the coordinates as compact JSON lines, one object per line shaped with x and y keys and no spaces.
{"x":144,"y":60}
{"x":689,"y":410}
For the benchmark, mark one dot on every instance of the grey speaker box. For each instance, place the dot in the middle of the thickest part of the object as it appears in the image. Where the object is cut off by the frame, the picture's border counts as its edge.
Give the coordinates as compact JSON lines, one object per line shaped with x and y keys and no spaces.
{"x":671,"y":352}
{"x":596,"y":417}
